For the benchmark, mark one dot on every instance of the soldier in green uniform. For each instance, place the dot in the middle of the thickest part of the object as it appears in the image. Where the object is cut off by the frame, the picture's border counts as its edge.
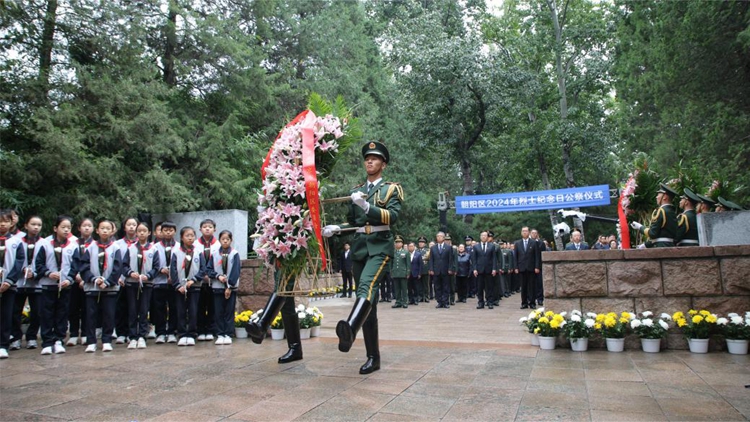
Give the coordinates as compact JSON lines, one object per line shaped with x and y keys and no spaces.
{"x":705,"y":205}
{"x":687,"y":226}
{"x":425,"y":251}
{"x":727,"y":205}
{"x":663,"y":228}
{"x":375,"y":206}
{"x":399,"y":272}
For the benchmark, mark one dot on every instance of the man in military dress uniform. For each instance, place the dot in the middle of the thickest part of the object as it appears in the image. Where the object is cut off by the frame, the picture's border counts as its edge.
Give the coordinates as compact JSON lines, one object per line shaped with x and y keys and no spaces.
{"x":705,"y":205}
{"x":399,"y":272}
{"x":663,"y":228}
{"x":376,"y":205}
{"x":687,"y":223}
{"x":727,"y":205}
{"x":425,"y":252}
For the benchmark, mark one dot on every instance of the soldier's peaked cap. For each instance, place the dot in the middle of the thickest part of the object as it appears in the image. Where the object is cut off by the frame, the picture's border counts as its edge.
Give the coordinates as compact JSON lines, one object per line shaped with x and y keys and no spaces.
{"x":691,"y":196}
{"x":706,"y":200}
{"x":376,"y":148}
{"x":667,"y":190}
{"x":422,"y":239}
{"x":729,"y":204}
{"x":398,"y":238}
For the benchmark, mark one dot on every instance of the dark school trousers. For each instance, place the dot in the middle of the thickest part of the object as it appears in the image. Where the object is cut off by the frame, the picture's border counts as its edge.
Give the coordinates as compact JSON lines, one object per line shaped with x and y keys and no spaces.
{"x":139,"y":303}
{"x":206,"y":320}
{"x":54,"y":314}
{"x":33,"y":297}
{"x":187,"y":312}
{"x":224,"y":312}
{"x":100,"y":304}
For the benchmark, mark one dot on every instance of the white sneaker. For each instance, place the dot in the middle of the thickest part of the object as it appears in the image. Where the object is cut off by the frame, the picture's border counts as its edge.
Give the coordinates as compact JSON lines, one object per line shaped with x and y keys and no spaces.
{"x":72,"y":341}
{"x":3,"y":354}
{"x":91,"y":348}
{"x":171,"y":338}
{"x":190,"y":341}
{"x":15,"y":345}
{"x":160,"y":339}
{"x":47,"y":350}
{"x":133,"y":344}
{"x":107,"y":347}
{"x":152,"y":333}
{"x":58,"y":347}
{"x":219,"y":341}
{"x":32,"y":344}
{"x":210,"y":337}
{"x":227,"y":340}
{"x":202,"y":337}
{"x":182,"y":342}
{"x":120,"y":340}
{"x":83,"y":340}
{"x":141,"y":343}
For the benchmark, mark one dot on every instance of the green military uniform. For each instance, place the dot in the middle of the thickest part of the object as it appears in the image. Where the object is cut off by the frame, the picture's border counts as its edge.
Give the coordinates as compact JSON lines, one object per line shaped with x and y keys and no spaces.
{"x":728,"y":205}
{"x":687,"y":222}
{"x":504,"y":264}
{"x":399,"y":272}
{"x":663,"y":229}
{"x":425,"y":270}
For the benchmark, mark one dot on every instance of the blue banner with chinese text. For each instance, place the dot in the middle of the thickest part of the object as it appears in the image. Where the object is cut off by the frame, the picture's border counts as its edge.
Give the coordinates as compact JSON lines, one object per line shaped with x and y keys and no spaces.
{"x":588,"y":196}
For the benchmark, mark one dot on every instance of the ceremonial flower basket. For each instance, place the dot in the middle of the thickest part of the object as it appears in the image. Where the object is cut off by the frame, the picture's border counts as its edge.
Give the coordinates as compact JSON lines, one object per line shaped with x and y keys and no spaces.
{"x":549,"y":326}
{"x":697,"y":327}
{"x":736,"y":331}
{"x":288,"y":229}
{"x":578,"y":329}
{"x":650,"y":331}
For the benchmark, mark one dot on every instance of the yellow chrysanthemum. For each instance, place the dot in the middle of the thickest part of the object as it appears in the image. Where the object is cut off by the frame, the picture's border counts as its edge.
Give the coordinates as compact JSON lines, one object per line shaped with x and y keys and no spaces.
{"x":678,"y":315}
{"x":626,"y":315}
{"x":612,"y":315}
{"x":554,"y":323}
{"x":624,"y":320}
{"x":704,"y":312}
{"x":543,"y":320}
{"x":536,"y":330}
{"x":597,"y":326}
{"x":711,"y":319}
{"x":600,"y":317}
{"x":609,"y":322}
{"x":549,"y":314}
{"x":692,"y":312}
{"x":681,"y":322}
{"x":559,"y":318}
{"x":697,"y":319}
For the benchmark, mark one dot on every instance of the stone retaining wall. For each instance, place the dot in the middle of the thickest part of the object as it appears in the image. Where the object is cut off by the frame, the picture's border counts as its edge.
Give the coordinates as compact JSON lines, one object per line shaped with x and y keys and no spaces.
{"x":659,"y":280}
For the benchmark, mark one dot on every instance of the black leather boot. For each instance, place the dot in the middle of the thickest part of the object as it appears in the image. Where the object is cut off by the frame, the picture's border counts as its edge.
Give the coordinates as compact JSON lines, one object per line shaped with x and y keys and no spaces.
{"x":257,"y":330}
{"x":291,"y":329}
{"x":347,"y":329}
{"x":370,"y":334}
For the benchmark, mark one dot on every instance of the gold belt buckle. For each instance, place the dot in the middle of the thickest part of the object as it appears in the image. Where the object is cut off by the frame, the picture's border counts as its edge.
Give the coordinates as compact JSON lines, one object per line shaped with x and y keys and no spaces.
{"x":368,"y":228}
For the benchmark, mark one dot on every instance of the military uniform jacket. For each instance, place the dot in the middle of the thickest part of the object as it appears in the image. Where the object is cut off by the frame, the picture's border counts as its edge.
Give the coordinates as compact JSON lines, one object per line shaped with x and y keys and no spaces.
{"x":401,"y":261}
{"x":144,"y":260}
{"x":425,"y":253}
{"x":12,"y":257}
{"x":687,"y":229}
{"x":663,"y":229}
{"x":51,"y":258}
{"x":385,"y":205}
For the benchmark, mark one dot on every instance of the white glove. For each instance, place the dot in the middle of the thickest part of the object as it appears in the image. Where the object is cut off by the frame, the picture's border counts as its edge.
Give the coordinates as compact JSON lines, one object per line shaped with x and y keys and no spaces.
{"x":636,"y":225}
{"x":330,"y":230}
{"x":359,"y":200}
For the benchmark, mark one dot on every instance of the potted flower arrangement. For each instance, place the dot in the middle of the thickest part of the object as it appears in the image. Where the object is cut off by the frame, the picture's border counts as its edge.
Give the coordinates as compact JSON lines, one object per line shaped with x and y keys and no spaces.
{"x":317,"y":320}
{"x":240,"y":321}
{"x":277,"y":328}
{"x":614,"y":329}
{"x":736,"y":331}
{"x":651,"y":332}
{"x":578,"y":329}
{"x":697,"y":327}
{"x":531,"y":322}
{"x":305,"y":316}
{"x":549,"y":326}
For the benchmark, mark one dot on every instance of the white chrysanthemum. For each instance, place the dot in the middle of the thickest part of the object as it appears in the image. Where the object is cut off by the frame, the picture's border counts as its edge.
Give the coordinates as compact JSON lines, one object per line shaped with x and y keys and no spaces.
{"x":575,"y":318}
{"x":663,"y":324}
{"x":540,"y":310}
{"x":665,"y":317}
{"x":532,"y":315}
{"x":575,"y":312}
{"x":590,"y":323}
{"x":647,"y":313}
{"x":733,"y":314}
{"x":562,"y":324}
{"x":648,"y":322}
{"x":523,"y":319}
{"x":723,"y":321}
{"x":735,"y":320}
{"x":591,"y":314}
{"x":301,"y":315}
{"x":635,"y":323}
{"x":562,"y":314}
{"x":300,"y":308}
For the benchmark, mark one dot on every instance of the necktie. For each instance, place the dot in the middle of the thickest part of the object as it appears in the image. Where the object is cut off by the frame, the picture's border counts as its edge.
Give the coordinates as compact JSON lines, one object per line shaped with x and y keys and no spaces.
{"x":369,"y":187}
{"x":525,"y":244}
{"x":484,"y":247}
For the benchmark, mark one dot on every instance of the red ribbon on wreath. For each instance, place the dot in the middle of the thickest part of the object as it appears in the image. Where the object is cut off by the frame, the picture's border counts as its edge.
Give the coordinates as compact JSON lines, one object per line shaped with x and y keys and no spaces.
{"x":307,"y":118}
{"x":624,"y":228}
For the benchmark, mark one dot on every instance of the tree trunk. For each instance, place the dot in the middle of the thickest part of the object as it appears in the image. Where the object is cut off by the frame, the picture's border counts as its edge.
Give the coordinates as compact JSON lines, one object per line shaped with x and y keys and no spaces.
{"x":468,"y":188}
{"x":45,"y":49}
{"x":170,"y":35}
{"x":545,"y":182}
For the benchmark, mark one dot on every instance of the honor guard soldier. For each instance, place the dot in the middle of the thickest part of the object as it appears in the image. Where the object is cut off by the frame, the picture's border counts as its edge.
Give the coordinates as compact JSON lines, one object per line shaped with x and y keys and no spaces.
{"x":705,"y":205}
{"x":663,"y":229}
{"x":727,"y":205}
{"x":399,"y":272}
{"x":425,"y":252}
{"x":687,"y":226}
{"x":375,"y":206}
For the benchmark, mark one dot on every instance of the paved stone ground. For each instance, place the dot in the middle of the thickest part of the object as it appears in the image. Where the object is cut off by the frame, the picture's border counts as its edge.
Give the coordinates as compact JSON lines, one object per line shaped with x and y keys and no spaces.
{"x":456,"y":364}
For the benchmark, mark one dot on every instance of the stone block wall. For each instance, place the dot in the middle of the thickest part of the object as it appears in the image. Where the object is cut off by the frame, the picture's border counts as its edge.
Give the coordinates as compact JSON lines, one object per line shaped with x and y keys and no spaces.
{"x":716,"y":278}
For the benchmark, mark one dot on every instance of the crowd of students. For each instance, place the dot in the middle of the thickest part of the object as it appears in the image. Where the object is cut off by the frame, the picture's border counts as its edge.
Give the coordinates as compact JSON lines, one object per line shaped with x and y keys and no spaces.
{"x":92,"y":285}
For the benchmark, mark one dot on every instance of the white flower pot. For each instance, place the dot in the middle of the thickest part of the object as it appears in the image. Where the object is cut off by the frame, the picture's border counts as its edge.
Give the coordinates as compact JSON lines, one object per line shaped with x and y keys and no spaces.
{"x":615,"y":344}
{"x":534,"y":339}
{"x":651,"y":345}
{"x":579,"y":344}
{"x":277,"y":333}
{"x":304,"y":333}
{"x":240,"y":332}
{"x":698,"y":345}
{"x":315,"y":331}
{"x":737,"y":347}
{"x":547,"y":343}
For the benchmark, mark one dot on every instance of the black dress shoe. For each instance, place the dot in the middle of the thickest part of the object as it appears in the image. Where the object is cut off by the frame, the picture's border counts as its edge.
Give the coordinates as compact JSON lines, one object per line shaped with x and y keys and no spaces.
{"x":446,"y":307}
{"x":438,"y":306}
{"x":532,"y":306}
{"x":480,"y":306}
{"x":396,"y":306}
{"x":525,"y":307}
{"x":490,"y":306}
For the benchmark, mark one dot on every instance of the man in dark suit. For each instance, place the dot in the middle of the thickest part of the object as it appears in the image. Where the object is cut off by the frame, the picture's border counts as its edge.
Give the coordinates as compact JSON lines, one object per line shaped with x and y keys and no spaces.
{"x":484,"y":267}
{"x":346,"y":271}
{"x":576,"y":244}
{"x":441,"y":268}
{"x":415,"y":275}
{"x":528,"y":265}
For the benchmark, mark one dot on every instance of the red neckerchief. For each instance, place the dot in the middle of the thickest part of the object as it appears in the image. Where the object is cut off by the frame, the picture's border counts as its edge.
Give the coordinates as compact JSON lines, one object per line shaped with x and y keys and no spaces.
{"x":58,"y":248}
{"x":141,"y":250}
{"x":224,"y":261}
{"x":188,"y":261}
{"x":207,"y":247}
{"x":129,"y":242}
{"x":2,"y":249}
{"x":30,"y":247}
{"x":103,"y":256}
